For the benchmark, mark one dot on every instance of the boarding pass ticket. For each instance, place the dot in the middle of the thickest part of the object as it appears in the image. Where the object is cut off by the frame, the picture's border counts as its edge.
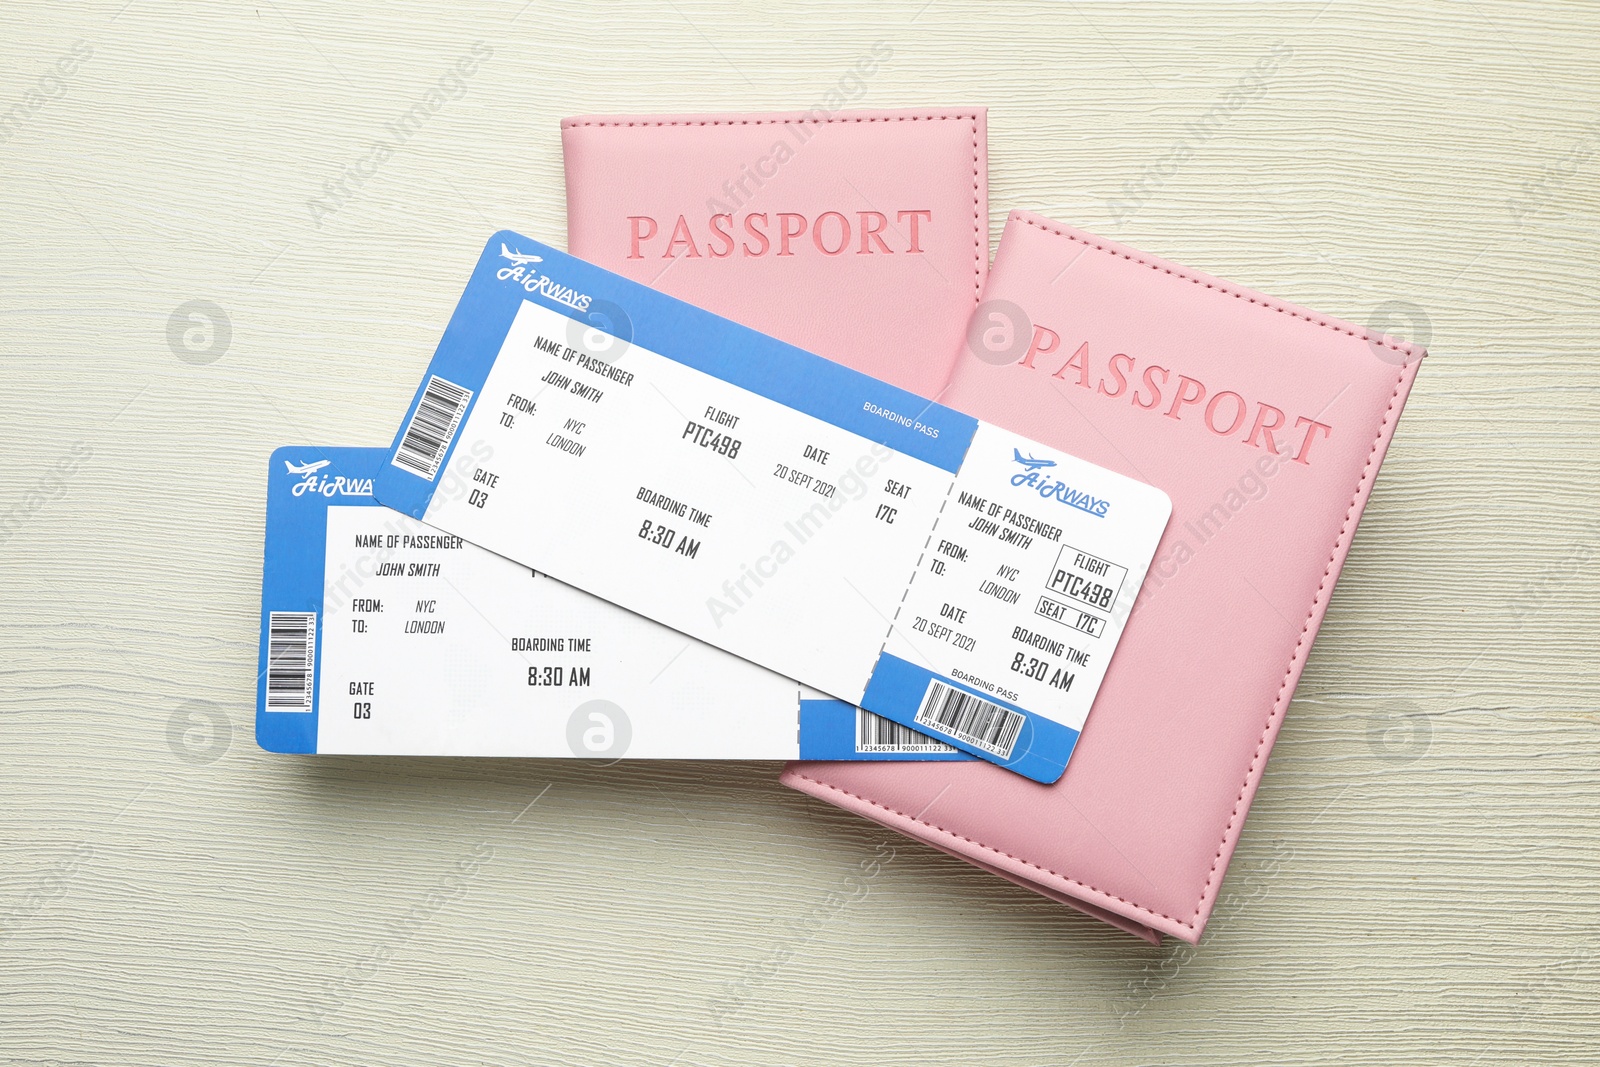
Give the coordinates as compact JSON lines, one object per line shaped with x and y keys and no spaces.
{"x":380,"y":635}
{"x":893,"y":553}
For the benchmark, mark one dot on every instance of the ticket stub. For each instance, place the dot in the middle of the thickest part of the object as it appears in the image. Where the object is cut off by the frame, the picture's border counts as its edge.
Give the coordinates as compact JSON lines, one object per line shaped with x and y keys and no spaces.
{"x":380,"y":635}
{"x":937,"y":570}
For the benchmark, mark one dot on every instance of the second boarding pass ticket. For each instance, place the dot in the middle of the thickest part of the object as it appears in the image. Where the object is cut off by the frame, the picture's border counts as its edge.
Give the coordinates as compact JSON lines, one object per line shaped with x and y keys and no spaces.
{"x":938,"y":570}
{"x":380,"y":635}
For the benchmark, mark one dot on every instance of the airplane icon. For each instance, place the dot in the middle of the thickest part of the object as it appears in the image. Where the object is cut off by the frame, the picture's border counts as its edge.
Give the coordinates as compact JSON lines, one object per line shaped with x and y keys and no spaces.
{"x":306,"y":468}
{"x":519,"y":258}
{"x":1031,"y":463}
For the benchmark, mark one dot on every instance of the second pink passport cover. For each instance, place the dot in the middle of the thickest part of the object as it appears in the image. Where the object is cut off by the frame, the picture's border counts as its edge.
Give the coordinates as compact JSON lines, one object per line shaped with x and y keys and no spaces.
{"x":862,"y":236}
{"x":1266,"y":424}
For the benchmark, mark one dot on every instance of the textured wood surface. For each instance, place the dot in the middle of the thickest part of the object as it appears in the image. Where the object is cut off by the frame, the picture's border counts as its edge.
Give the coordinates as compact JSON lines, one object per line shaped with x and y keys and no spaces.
{"x":1419,"y":882}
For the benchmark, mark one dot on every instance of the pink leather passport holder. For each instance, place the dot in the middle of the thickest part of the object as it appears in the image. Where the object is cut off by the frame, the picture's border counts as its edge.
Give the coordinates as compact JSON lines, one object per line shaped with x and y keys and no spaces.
{"x":862,"y":236}
{"x":1266,"y":424}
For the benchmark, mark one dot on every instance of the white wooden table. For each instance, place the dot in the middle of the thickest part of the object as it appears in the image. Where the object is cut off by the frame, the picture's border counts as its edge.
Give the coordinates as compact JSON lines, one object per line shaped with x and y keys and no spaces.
{"x":1419,"y":883}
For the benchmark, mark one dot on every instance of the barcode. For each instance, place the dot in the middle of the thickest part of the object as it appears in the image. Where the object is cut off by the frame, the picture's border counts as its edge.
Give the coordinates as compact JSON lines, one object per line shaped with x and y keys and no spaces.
{"x":874,"y":733}
{"x":291,"y":659}
{"x":432,"y":427}
{"x":972,"y":719}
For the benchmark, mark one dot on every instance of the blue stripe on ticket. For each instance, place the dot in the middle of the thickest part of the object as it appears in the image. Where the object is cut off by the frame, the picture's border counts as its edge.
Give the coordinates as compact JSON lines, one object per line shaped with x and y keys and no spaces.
{"x":292,"y":587}
{"x":972,"y":719}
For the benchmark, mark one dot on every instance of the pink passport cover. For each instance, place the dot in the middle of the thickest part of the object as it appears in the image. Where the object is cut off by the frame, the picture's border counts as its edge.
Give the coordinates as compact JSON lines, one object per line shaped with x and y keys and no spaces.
{"x":862,"y":236}
{"x":1269,"y":427}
